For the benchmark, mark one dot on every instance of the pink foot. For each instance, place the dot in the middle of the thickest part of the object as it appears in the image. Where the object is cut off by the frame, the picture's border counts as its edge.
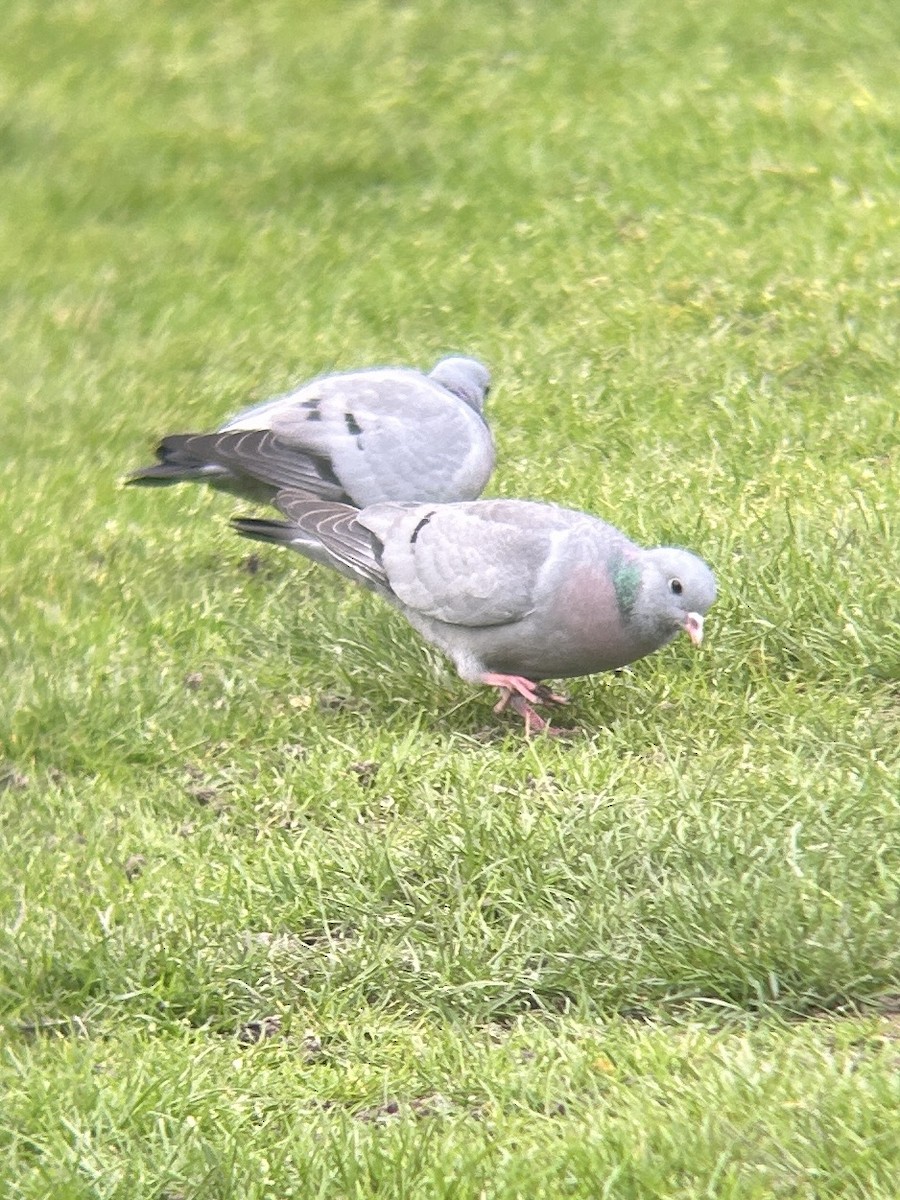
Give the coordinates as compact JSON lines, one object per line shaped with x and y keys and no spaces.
{"x":519,"y":694}
{"x":536,"y":693}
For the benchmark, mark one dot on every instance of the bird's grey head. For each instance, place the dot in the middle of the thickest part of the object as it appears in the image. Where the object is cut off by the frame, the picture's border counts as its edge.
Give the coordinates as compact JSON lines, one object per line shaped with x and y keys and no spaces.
{"x":464,"y":377}
{"x":677,"y":589}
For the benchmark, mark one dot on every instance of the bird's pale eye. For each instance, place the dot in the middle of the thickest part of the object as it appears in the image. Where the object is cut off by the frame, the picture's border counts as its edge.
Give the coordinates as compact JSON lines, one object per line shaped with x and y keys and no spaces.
{"x":676,"y":586}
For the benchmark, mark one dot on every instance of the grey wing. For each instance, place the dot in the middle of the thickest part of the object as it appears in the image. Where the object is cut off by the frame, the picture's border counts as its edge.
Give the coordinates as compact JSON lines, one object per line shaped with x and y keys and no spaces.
{"x":392,"y":435}
{"x":474,"y":564}
{"x":261,"y":416}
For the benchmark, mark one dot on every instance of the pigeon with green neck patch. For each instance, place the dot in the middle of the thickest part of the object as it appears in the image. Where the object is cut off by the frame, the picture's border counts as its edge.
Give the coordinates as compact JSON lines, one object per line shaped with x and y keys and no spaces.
{"x":389,"y":433}
{"x":513,"y":591}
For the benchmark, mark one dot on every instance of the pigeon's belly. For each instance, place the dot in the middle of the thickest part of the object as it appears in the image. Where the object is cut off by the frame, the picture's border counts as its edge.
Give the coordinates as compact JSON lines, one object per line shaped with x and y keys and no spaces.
{"x":549,"y":647}
{"x":550,"y":652}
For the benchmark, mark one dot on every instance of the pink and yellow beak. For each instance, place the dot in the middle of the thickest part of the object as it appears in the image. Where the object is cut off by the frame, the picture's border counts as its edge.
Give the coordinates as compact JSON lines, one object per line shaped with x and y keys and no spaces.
{"x":693,"y":627}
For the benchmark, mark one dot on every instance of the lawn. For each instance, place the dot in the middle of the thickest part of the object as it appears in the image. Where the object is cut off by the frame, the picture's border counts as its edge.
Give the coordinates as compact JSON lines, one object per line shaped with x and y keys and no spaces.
{"x":286,"y":911}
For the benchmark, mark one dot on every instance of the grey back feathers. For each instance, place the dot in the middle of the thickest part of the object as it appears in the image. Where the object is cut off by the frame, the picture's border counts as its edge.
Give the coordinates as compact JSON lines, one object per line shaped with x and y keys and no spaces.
{"x":362,"y":437}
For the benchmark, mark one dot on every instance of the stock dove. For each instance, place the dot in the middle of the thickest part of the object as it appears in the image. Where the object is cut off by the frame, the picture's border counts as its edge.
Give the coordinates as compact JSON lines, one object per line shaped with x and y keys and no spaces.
{"x":513,"y":591}
{"x":364,"y":437}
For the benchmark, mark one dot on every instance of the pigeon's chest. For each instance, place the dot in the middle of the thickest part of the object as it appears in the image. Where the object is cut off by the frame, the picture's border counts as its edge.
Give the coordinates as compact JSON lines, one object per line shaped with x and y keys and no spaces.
{"x":578,"y":627}
{"x":588,"y":628}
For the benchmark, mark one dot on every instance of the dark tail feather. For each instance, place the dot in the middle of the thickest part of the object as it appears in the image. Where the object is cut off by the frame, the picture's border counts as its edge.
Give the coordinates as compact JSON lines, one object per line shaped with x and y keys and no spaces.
{"x":159,"y":475}
{"x":175,"y":464}
{"x":279,"y":533}
{"x":334,"y":541}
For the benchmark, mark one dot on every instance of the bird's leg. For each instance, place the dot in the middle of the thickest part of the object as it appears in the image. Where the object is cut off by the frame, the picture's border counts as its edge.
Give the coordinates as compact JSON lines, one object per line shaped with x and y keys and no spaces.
{"x":519,"y":694}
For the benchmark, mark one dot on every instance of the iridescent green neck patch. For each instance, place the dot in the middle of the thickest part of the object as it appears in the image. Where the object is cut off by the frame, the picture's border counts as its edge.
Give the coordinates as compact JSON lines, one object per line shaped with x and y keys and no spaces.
{"x":626,"y":580}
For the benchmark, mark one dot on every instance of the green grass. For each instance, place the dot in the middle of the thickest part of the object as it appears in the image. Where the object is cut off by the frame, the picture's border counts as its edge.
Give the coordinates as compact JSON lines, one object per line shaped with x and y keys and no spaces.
{"x":660,"y":960}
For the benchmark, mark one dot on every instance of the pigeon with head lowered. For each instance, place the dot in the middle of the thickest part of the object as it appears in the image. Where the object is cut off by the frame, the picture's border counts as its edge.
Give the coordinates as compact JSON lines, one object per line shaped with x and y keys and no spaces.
{"x":513,"y":591}
{"x":363,"y":437}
